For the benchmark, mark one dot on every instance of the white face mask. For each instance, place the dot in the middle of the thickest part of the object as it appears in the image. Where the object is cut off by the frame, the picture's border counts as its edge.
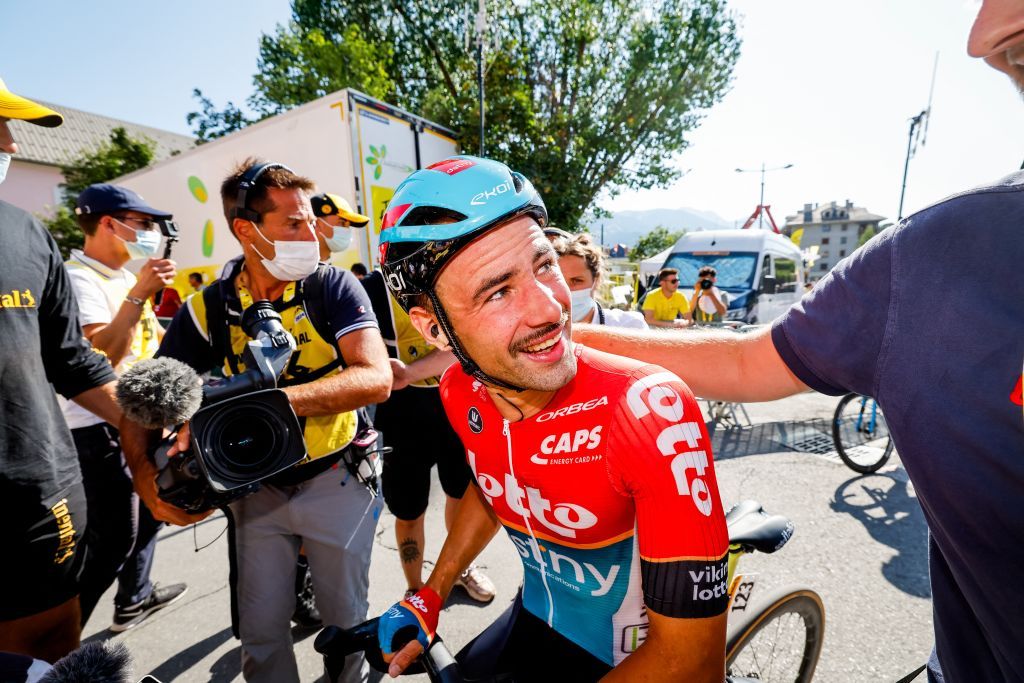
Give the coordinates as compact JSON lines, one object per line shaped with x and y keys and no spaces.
{"x":5,"y":162}
{"x":340,"y":239}
{"x":582,"y":303}
{"x":292,"y":260}
{"x":146,"y":244}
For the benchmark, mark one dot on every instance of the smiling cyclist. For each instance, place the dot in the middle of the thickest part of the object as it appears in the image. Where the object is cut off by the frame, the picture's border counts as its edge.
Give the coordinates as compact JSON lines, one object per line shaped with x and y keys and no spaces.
{"x":599,"y":467}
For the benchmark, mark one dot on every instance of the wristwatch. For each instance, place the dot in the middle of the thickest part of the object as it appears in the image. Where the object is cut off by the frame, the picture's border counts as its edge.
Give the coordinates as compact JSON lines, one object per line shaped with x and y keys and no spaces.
{"x":135,"y":300}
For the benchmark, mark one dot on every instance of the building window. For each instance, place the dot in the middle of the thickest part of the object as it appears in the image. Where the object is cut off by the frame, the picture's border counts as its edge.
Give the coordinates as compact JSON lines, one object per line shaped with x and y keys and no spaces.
{"x":842,"y":253}
{"x":826,"y":228}
{"x":824,"y":253}
{"x":842,"y":240}
{"x":824,"y":240}
{"x":843,"y":229}
{"x":822,"y":266}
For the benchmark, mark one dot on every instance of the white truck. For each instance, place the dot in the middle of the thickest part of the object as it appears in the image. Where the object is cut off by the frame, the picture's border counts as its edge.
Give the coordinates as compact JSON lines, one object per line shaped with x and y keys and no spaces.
{"x":762,"y":272}
{"x":350,"y":144}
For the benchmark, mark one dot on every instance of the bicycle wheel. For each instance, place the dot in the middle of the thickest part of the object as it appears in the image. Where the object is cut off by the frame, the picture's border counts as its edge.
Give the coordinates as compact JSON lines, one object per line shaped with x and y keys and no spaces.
{"x":861,"y":434}
{"x":781,"y":642}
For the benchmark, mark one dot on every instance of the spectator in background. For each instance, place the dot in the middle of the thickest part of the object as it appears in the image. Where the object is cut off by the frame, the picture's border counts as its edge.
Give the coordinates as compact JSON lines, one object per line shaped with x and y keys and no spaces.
{"x":118,"y":321}
{"x":708,"y":303}
{"x":167,"y":301}
{"x":582,"y":265}
{"x":359,"y":270}
{"x":334,"y":222}
{"x":42,"y":500}
{"x":195,"y":281}
{"x":665,"y":306}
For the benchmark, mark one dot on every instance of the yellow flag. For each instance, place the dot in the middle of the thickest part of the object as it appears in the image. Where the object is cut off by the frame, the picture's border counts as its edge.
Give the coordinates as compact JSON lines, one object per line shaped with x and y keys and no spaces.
{"x":796,"y":236}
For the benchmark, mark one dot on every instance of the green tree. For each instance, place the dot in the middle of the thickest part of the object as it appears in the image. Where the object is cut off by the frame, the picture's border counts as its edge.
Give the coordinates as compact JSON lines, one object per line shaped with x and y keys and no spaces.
{"x":582,"y":96}
{"x":655,"y":241}
{"x":117,"y":156}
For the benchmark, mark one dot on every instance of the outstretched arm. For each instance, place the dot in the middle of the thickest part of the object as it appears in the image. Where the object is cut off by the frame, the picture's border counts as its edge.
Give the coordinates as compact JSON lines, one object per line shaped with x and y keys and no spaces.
{"x":658,"y":658}
{"x":715,"y":364}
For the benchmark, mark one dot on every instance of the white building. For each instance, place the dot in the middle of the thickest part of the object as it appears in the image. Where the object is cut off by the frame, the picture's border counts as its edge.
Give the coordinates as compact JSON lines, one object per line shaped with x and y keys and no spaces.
{"x":835,"y":228}
{"x":33,"y":182}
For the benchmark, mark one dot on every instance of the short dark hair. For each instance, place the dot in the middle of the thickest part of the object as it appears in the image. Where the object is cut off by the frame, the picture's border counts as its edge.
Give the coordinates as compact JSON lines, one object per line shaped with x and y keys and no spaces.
{"x":195,"y":276}
{"x":258,"y":198}
{"x":359,"y":269}
{"x":708,"y":270}
{"x":665,"y":272}
{"x":89,"y":222}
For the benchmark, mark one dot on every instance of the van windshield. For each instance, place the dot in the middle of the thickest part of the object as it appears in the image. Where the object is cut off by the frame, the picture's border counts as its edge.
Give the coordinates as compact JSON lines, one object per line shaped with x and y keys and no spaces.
{"x":735,"y":268}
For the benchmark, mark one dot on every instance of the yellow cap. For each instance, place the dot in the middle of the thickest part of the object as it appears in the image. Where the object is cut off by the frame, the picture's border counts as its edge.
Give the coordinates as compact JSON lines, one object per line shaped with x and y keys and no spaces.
{"x":16,"y":107}
{"x":328,"y":204}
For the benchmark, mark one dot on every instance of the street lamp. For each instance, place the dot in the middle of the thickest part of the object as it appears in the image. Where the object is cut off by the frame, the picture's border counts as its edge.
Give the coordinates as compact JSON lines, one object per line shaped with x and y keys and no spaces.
{"x":762,"y":171}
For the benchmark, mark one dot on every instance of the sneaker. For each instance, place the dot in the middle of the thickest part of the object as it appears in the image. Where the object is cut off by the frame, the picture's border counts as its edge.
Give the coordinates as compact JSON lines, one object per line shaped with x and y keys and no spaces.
{"x":306,"y":614}
{"x":476,"y":584}
{"x":133,"y":615}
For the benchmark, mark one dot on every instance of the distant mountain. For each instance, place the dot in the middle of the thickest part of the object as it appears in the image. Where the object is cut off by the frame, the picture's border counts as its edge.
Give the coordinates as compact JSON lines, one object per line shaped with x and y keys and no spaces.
{"x":626,"y":227}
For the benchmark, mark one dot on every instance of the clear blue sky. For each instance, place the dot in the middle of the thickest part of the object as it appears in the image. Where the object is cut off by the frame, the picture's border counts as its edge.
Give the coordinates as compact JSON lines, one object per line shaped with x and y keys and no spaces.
{"x":823,"y":84}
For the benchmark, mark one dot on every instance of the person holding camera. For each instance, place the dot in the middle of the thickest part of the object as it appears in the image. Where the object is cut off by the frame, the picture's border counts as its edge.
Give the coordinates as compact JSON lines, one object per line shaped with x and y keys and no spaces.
{"x":42,"y":500}
{"x":708,"y":302}
{"x":338,"y":366}
{"x":118,"y":320}
{"x":665,"y":306}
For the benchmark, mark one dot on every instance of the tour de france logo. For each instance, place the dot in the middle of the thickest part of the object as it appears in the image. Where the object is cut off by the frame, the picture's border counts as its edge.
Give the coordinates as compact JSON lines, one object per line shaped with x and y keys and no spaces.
{"x":476,"y":421}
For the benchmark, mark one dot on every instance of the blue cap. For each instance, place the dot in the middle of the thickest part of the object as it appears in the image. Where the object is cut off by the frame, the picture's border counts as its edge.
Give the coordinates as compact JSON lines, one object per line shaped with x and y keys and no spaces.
{"x":104,"y":198}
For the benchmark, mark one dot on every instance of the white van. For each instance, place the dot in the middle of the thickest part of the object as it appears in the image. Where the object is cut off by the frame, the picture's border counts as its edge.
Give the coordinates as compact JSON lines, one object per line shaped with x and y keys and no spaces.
{"x":761,"y":270}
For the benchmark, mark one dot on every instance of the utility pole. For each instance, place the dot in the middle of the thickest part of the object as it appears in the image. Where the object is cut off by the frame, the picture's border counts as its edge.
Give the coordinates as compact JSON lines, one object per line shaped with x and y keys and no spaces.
{"x":919,"y":124}
{"x":481,"y":39}
{"x":761,"y":207}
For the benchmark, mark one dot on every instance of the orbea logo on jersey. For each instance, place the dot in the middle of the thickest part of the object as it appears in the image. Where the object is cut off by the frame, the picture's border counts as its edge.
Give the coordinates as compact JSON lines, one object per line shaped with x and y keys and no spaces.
{"x":567,"y":443}
{"x":482,"y":198}
{"x":564,"y":519}
{"x":573,"y":409}
{"x":653,"y":393}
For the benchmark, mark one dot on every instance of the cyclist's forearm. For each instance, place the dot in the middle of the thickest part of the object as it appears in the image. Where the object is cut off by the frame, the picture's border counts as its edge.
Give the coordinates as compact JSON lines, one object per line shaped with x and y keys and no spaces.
{"x":474,"y":526}
{"x":683,"y":650}
{"x":716,"y":364}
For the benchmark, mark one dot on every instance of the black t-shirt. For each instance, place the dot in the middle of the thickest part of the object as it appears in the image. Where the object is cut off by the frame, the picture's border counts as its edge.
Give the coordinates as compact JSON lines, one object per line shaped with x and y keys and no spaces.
{"x":41,"y":343}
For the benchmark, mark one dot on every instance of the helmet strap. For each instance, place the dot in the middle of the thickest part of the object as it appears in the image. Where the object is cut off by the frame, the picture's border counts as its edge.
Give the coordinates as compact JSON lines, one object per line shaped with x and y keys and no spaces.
{"x":469,"y":366}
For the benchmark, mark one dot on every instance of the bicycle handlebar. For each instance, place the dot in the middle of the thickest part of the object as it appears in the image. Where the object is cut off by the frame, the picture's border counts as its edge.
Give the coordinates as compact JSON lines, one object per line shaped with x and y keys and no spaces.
{"x":336,"y":644}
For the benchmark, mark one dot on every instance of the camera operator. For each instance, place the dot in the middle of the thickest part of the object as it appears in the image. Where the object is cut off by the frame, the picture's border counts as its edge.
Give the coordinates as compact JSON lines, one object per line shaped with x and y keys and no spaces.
{"x":118,"y":319}
{"x":708,"y":302}
{"x":42,"y":501}
{"x":314,"y":504}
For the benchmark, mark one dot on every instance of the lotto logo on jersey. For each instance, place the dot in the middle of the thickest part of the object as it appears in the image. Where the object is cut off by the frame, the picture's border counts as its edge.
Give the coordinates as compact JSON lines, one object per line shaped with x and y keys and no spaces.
{"x":564,"y":519}
{"x":568,"y":443}
{"x":678,"y":440}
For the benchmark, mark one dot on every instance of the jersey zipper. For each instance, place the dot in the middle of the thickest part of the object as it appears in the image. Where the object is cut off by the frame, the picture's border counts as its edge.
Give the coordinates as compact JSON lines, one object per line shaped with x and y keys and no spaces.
{"x":529,"y":528}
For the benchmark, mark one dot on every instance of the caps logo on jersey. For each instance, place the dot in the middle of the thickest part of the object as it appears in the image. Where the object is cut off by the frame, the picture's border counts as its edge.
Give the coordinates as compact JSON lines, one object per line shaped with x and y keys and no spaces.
{"x":476,"y":421}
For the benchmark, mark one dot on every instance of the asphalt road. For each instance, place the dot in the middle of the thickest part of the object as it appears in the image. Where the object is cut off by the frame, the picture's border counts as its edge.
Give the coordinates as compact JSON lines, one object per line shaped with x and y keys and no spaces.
{"x":860,"y":542}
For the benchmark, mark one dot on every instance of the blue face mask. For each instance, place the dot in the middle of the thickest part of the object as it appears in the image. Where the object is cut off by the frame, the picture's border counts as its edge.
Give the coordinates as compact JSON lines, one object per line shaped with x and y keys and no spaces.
{"x":146,"y":244}
{"x":5,"y":162}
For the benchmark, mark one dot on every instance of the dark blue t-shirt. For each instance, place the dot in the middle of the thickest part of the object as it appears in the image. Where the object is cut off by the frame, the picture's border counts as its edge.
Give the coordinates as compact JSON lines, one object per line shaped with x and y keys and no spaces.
{"x":928,"y":318}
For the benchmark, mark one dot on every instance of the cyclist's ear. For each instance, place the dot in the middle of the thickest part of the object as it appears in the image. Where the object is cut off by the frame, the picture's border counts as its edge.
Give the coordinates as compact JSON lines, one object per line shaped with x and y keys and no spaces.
{"x":426,"y":324}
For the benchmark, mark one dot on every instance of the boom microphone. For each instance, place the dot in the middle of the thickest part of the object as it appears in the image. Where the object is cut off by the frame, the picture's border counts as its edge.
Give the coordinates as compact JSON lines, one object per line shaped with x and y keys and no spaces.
{"x":159,"y":392}
{"x":92,"y":663}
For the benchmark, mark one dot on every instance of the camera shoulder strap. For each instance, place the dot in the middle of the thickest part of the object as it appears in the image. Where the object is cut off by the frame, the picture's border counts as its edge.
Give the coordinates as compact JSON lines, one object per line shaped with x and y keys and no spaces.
{"x":215,"y":304}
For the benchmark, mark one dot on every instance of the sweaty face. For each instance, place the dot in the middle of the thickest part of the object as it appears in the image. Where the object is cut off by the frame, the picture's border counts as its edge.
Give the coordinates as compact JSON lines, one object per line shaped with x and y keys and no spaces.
{"x":509,"y":305}
{"x":998,"y":37}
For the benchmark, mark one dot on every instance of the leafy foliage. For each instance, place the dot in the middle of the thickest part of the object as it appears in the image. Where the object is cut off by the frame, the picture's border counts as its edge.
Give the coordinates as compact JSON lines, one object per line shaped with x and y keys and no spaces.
{"x":653,"y":242}
{"x":121,"y":154}
{"x":585,"y":97}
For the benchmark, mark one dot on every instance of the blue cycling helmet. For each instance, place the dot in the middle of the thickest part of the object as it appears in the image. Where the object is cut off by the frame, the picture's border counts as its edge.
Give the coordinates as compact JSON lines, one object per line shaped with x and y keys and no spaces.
{"x":434,"y":214}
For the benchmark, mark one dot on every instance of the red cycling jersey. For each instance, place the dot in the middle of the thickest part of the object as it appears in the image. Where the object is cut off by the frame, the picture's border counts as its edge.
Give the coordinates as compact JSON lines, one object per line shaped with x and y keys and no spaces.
{"x":609,"y":495}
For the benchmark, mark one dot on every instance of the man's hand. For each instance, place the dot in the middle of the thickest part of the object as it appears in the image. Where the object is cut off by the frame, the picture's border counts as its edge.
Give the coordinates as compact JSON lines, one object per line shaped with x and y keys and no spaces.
{"x":144,"y":475}
{"x":156,"y":274}
{"x":400,"y":376}
{"x":414,"y":620}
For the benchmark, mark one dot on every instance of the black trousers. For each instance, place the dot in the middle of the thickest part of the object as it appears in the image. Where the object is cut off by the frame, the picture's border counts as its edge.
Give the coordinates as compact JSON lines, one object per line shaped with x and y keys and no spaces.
{"x":120,"y":537}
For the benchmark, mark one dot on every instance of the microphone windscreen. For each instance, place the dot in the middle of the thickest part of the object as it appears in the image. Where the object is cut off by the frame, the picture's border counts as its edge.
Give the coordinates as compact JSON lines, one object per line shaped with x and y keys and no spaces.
{"x":92,"y":663}
{"x":159,"y":392}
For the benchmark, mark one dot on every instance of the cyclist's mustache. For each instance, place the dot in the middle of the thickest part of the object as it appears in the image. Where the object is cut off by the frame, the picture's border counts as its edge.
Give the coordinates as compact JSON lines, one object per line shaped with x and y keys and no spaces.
{"x":520,"y":346}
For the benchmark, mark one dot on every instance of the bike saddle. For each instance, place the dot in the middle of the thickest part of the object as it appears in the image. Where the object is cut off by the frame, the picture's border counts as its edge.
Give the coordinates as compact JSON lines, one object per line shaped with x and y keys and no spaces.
{"x":751,"y":527}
